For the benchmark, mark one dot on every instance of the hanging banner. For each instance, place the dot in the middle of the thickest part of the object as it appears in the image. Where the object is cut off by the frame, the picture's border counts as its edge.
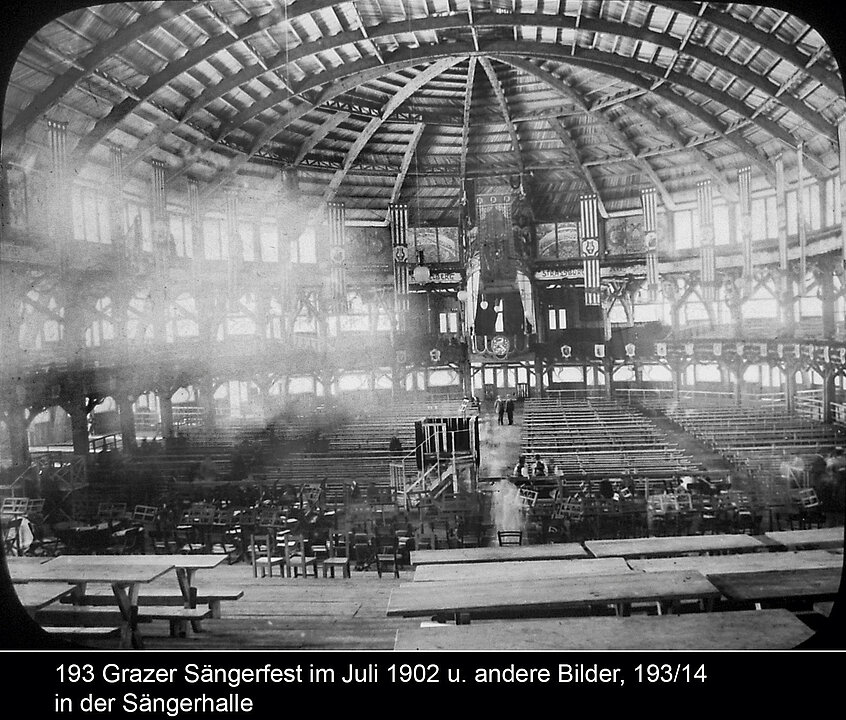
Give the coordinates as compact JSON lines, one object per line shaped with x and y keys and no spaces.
{"x":650,"y":237}
{"x":589,"y":248}
{"x":707,"y":255}
{"x":399,"y":253}
{"x":337,"y":255}
{"x":744,"y":182}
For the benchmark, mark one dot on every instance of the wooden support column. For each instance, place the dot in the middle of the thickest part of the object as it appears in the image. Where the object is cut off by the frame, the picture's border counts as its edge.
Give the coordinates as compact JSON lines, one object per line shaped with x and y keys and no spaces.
{"x":127,"y":420}
{"x":165,"y":412}
{"x":16,"y":424}
{"x":205,"y":390}
{"x":76,"y":406}
{"x":789,"y":387}
{"x":738,"y":384}
{"x":539,"y":373}
{"x":829,"y":395}
{"x":825,"y":281}
{"x":608,"y":369}
{"x":787,"y":299}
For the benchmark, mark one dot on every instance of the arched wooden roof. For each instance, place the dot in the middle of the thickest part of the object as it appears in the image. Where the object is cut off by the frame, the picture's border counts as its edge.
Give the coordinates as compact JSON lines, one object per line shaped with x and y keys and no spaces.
{"x":381,"y":100}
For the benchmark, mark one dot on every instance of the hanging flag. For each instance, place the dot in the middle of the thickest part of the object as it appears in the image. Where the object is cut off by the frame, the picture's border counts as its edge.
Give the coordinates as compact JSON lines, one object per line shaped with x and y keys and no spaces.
{"x":650,"y":237}
{"x":708,"y":260}
{"x":744,"y":183}
{"x":399,"y":250}
{"x":800,"y":211}
{"x":337,"y":255}
{"x":589,"y":248}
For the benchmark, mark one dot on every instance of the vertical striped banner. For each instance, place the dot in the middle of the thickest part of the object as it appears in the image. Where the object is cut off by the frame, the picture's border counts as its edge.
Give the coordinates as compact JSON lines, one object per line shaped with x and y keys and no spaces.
{"x":117,"y":210}
{"x":781,"y":213}
{"x":59,"y":159}
{"x":589,"y":248}
{"x":195,"y":217}
{"x":58,"y":150}
{"x":800,"y":212}
{"x":841,"y":211}
{"x":337,"y":254}
{"x":160,"y":231}
{"x":744,"y":188}
{"x":399,"y":251}
{"x":650,"y":237}
{"x":229,"y":242}
{"x":158,"y":194}
{"x":231,"y":246}
{"x":708,"y":261}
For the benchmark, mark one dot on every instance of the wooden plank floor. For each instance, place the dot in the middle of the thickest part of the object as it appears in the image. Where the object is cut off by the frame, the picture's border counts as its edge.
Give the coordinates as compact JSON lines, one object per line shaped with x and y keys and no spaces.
{"x":287,"y":613}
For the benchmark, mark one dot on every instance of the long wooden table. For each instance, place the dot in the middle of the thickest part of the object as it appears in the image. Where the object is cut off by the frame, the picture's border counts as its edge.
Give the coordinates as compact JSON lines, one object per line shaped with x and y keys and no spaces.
{"x":551,"y":551}
{"x":462,"y":600}
{"x":673,"y":545}
{"x":512,"y":571}
{"x":37,"y":595}
{"x":814,"y":538}
{"x":742,"y":563}
{"x":775,"y":629}
{"x":813,"y":585}
{"x":125,"y":579}
{"x":186,"y":567}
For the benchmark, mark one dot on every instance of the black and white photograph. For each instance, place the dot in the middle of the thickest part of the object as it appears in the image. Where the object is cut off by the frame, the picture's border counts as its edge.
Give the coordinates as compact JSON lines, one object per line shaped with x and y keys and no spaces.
{"x":422,"y":325}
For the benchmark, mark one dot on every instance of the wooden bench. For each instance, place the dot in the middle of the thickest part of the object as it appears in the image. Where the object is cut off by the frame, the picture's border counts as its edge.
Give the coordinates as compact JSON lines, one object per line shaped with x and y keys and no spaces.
{"x":163,"y":597}
{"x":88,"y":616}
{"x":776,"y":629}
{"x":81,"y":632}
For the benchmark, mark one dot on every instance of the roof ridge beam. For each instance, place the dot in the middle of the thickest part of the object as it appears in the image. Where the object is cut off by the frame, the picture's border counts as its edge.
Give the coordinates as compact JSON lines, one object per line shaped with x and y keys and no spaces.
{"x":503,"y":108}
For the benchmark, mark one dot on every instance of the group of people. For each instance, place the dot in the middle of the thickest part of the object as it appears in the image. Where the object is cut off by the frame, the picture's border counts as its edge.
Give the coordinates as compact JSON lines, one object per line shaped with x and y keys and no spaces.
{"x":524,"y":470}
{"x":504,"y":407}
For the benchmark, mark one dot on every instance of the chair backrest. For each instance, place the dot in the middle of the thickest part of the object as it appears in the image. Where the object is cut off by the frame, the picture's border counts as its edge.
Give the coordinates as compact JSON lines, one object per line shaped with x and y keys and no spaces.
{"x":144,"y":513}
{"x":14,"y":507}
{"x":338,"y":546}
{"x":510,"y":537}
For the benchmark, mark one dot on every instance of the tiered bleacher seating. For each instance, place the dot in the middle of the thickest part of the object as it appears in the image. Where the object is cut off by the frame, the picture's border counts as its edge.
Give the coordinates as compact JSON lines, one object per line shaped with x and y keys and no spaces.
{"x":593,"y":439}
{"x":781,"y":454}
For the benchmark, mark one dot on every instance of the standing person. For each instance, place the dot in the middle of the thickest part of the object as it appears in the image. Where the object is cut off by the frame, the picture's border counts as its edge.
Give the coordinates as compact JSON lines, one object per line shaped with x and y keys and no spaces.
{"x":499,"y":406}
{"x":509,"y":409}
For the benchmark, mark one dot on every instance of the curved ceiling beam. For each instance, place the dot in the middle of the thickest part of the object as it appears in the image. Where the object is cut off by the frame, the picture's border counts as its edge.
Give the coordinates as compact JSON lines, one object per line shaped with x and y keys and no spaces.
{"x":465,"y":119}
{"x":407,"y":157}
{"x":705,"y":162}
{"x":489,"y":20}
{"x":403,"y":94}
{"x":503,"y":108}
{"x":599,"y":58}
{"x":321,"y":132}
{"x":766,"y":40}
{"x":560,"y":129}
{"x":84,"y":66}
{"x":345,"y":77}
{"x":204,"y":52}
{"x":744,"y":146}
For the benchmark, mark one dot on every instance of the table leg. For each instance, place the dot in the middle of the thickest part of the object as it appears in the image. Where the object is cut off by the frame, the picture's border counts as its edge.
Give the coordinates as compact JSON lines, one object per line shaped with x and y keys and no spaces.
{"x":127,"y":600}
{"x":185,"y":578}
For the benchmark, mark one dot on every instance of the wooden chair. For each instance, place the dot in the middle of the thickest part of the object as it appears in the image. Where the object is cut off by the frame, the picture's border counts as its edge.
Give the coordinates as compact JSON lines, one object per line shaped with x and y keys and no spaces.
{"x":363,"y":551}
{"x":509,"y":537}
{"x":388,"y":557}
{"x":264,"y":554}
{"x":338,"y":556}
{"x":296,"y":556}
